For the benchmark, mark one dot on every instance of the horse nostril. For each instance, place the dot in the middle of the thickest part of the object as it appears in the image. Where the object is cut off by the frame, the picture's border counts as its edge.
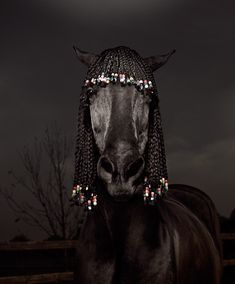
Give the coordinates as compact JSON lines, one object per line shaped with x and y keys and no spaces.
{"x":107,"y":165}
{"x":134,"y":168}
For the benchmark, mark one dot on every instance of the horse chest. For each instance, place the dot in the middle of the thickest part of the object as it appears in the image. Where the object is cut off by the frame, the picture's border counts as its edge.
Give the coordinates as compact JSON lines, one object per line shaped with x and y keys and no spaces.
{"x":139,"y":261}
{"x":131,"y":252}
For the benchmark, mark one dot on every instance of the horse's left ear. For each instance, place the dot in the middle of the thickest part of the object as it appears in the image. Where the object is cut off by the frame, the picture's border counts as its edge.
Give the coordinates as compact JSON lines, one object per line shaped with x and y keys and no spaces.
{"x":156,"y":62}
{"x":85,"y":57}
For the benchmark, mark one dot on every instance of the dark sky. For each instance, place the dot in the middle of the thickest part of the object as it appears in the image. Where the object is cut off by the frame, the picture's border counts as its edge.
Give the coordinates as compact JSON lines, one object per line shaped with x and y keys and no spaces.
{"x":40,"y":79}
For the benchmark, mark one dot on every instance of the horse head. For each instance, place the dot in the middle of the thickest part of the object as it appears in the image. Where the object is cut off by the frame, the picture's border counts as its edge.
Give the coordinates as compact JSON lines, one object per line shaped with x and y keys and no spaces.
{"x":120,"y":136}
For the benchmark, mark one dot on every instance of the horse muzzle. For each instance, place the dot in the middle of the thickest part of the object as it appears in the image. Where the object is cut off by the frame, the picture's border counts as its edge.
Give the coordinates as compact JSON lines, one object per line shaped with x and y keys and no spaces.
{"x":121,"y":176}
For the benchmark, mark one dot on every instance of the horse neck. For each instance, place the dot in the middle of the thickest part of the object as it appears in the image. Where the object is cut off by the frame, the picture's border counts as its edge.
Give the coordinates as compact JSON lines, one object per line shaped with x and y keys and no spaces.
{"x":117,"y":217}
{"x":125,"y":219}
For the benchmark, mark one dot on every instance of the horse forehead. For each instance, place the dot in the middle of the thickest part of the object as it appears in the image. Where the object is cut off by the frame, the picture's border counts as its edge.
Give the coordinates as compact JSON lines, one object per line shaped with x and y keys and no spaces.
{"x":121,"y":99}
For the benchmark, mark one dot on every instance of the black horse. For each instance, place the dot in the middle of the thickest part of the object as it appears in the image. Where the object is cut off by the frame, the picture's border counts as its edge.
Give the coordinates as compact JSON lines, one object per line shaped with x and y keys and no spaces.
{"x":120,"y":160}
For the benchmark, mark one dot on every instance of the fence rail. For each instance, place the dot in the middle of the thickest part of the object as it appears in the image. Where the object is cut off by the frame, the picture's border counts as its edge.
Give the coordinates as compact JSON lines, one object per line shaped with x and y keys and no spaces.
{"x":44,"y":245}
{"x":38,"y":278}
{"x":229,"y":262}
{"x":62,"y":245}
{"x":228,"y":236}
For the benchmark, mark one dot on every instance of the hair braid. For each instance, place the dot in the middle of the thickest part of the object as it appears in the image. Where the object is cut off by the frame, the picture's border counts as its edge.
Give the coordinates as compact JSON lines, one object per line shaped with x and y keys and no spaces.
{"x":86,"y":152}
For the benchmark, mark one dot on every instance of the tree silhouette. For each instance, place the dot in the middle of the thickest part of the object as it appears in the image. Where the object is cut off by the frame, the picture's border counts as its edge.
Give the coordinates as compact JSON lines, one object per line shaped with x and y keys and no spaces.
{"x":48,"y":205}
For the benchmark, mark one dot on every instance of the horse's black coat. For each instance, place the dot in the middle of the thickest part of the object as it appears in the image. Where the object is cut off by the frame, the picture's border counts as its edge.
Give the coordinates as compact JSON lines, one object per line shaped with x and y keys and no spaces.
{"x":132,"y":243}
{"x":127,"y":242}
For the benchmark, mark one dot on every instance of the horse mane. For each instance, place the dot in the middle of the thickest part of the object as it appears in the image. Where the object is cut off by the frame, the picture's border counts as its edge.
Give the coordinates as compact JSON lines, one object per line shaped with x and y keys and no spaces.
{"x":126,"y":61}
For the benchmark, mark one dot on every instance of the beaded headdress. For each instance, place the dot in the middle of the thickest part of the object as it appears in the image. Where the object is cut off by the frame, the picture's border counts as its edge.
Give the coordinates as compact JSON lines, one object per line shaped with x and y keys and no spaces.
{"x":122,"y":66}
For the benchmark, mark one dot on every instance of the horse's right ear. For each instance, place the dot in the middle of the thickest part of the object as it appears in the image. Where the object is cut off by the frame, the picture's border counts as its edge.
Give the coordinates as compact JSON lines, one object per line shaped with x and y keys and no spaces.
{"x":85,"y":57}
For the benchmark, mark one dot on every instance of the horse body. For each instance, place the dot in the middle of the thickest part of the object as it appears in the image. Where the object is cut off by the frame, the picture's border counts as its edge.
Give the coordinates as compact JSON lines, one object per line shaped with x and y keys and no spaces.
{"x":120,"y":142}
{"x":201,"y":205}
{"x":139,"y":244}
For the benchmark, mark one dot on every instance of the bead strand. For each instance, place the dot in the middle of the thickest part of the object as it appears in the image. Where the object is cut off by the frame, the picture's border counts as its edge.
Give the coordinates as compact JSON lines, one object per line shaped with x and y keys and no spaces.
{"x":103,"y":80}
{"x":84,"y":197}
{"x":151,"y":194}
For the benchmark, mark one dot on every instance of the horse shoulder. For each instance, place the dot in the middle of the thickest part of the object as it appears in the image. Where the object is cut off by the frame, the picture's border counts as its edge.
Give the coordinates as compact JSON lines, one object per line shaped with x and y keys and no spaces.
{"x":195,"y":249}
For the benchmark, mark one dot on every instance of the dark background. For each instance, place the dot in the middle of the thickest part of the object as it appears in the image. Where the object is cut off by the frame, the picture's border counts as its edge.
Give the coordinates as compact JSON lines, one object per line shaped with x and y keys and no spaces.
{"x":40,"y":80}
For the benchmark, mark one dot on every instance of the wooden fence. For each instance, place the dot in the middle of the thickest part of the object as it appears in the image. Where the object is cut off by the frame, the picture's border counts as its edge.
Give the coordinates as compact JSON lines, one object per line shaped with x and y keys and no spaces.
{"x":228,"y":237}
{"x":44,"y":245}
{"x":62,"y":245}
{"x":40,"y":278}
{"x":55,"y":277}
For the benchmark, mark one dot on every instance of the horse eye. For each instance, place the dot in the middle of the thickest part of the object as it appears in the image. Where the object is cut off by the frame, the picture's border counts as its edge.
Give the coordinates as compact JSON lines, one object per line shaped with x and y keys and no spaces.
{"x":90,"y":92}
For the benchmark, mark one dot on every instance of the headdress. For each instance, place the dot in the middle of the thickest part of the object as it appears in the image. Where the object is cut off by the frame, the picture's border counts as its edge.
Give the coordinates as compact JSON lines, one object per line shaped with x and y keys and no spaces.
{"x":123,"y":66}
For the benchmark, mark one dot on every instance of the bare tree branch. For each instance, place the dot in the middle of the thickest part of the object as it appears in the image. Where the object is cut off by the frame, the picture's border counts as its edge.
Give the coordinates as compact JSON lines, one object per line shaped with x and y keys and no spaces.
{"x":45,"y":166}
